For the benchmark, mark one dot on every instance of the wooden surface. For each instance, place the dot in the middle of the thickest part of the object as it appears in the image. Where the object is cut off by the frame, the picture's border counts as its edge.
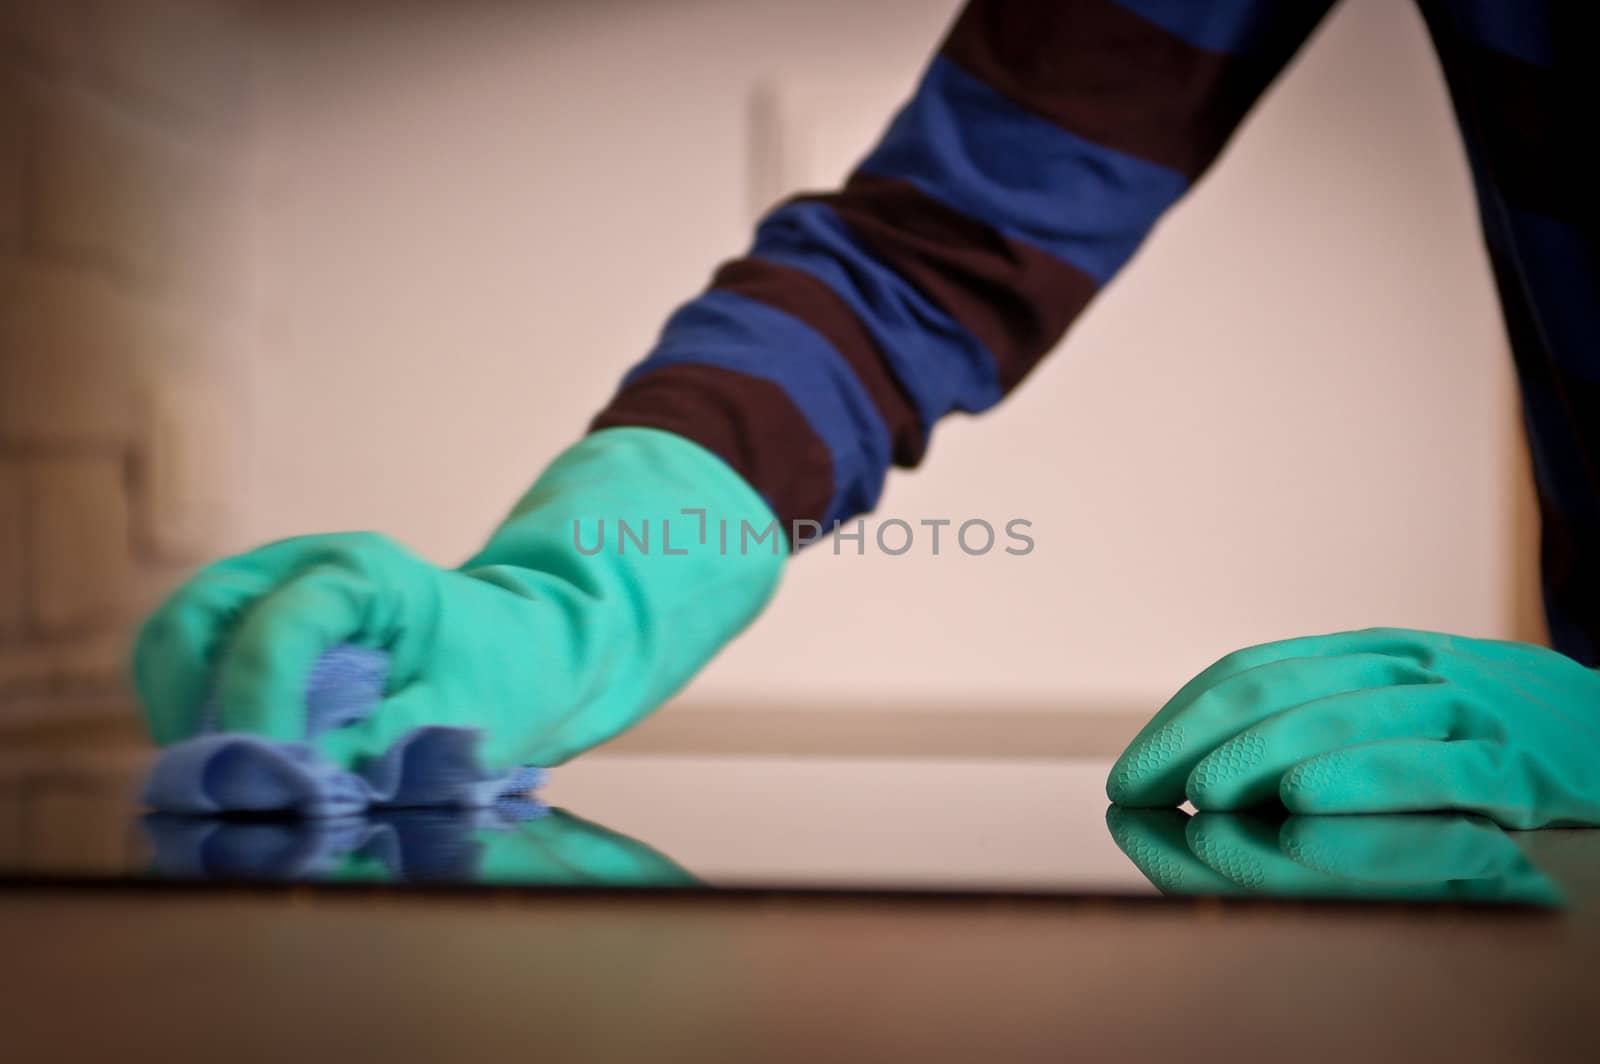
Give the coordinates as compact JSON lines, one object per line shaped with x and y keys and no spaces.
{"x":303,"y":976}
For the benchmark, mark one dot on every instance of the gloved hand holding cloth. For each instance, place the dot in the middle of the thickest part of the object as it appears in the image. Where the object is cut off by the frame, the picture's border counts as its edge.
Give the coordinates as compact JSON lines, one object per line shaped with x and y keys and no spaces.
{"x":559,"y":634}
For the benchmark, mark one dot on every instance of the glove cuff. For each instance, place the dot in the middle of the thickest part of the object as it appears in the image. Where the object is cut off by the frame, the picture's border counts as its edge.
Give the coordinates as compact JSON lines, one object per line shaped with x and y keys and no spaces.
{"x":671,"y":552}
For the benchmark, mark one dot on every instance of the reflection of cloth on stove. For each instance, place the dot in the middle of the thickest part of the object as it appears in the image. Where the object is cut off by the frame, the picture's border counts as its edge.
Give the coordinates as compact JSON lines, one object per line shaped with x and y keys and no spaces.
{"x":405,"y":844}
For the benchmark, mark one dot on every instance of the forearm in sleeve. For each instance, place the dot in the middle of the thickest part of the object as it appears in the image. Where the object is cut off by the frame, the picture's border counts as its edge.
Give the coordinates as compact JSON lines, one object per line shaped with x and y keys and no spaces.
{"x":1044,"y":140}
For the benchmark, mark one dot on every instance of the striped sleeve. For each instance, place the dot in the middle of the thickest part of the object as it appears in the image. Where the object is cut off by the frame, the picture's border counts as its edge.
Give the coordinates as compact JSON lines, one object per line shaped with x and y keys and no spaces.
{"x":1045,"y":139}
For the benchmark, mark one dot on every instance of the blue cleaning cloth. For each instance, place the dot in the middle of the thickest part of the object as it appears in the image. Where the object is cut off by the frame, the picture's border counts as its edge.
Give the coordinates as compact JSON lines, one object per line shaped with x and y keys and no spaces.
{"x":228,"y":772}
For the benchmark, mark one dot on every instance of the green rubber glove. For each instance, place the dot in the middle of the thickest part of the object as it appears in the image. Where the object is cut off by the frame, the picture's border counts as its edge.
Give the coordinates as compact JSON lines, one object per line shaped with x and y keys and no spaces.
{"x":545,"y":643}
{"x":1394,"y":857}
{"x":1377,"y":721}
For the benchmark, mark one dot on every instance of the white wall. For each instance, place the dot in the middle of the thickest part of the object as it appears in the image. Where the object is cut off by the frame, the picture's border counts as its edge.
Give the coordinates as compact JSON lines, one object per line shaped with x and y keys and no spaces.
{"x":126,"y":316}
{"x":1293,"y":412}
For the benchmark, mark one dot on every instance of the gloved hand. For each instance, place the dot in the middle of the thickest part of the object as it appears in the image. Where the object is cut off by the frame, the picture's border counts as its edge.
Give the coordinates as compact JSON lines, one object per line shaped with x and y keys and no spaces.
{"x":1394,"y":857}
{"x":1383,"y":720}
{"x":546,"y":644}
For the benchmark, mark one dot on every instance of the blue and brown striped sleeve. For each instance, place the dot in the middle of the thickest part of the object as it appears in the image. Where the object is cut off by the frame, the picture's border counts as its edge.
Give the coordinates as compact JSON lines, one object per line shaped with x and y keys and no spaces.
{"x":1043,"y":142}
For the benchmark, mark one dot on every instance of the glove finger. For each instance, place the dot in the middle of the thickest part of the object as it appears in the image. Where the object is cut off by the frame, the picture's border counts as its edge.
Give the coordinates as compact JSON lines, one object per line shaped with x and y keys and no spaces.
{"x":265,"y":666}
{"x":1264,"y":857}
{"x":1153,"y":839}
{"x":1155,"y":767}
{"x":1247,"y":769}
{"x":1410,"y":776}
{"x":1244,"y":850}
{"x":1400,"y":847}
{"x":1419,"y":855}
{"x":1405,"y":644}
{"x":175,"y":651}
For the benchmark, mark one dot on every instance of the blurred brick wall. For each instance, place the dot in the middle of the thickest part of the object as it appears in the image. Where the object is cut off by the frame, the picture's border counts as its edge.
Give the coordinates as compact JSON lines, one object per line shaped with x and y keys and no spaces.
{"x":125,"y":306}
